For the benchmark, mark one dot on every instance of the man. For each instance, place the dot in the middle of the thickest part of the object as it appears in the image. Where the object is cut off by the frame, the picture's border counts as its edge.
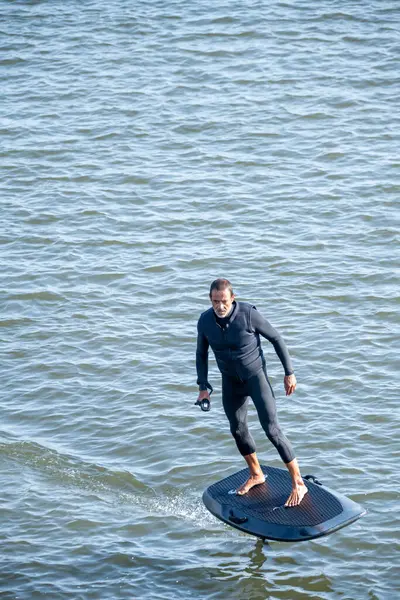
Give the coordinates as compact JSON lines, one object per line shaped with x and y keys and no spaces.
{"x":233,"y":330}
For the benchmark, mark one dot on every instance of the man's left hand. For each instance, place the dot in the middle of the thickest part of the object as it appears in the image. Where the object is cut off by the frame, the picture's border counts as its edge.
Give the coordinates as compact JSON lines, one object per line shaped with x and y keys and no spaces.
{"x":290,"y":384}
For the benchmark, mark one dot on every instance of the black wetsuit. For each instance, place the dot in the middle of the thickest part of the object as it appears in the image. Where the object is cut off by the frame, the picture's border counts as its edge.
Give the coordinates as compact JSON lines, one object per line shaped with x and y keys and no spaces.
{"x":235,"y":341}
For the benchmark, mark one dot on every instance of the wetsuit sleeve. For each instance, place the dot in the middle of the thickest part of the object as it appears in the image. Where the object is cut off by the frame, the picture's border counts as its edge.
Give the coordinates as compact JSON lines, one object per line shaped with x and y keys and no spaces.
{"x":264,"y":328}
{"x":202,"y":359}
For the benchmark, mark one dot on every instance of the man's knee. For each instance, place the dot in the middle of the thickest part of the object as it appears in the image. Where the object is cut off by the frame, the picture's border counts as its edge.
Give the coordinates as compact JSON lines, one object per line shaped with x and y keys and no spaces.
{"x":243,"y":439}
{"x":239,"y":431}
{"x":273,"y":431}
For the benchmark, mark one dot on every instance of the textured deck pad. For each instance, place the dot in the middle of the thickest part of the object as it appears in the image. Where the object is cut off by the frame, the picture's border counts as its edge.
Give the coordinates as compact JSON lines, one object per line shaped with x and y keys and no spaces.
{"x":261,"y":511}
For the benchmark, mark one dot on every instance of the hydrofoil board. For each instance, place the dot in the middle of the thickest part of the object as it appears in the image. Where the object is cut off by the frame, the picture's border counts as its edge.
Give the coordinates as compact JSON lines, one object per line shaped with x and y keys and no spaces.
{"x":262,"y":512}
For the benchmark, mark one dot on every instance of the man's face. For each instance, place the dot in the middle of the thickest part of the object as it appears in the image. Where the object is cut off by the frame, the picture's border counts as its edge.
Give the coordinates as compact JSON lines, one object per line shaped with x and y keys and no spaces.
{"x":222,"y":302}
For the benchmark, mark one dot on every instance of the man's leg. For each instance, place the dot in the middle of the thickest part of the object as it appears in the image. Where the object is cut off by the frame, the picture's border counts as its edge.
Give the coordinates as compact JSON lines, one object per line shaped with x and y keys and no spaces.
{"x":235,"y":404}
{"x":299,"y":489}
{"x":256,"y":474}
{"x":264,"y":400}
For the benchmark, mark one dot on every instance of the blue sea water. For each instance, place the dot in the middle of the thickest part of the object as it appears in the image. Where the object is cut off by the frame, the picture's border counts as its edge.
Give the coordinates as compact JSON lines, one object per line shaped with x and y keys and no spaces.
{"x":145,"y":149}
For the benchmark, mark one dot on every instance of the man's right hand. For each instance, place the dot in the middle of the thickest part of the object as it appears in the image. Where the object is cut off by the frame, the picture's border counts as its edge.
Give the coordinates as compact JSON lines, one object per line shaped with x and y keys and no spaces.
{"x":203,"y":394}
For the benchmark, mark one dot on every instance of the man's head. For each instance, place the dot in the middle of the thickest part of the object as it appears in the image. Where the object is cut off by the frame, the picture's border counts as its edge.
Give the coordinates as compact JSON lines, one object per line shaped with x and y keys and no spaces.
{"x":221,"y":296}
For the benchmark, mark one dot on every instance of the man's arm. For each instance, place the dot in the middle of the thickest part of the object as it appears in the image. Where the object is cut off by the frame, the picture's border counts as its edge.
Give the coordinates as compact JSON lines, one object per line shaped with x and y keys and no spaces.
{"x":202,"y":359}
{"x":264,"y":328}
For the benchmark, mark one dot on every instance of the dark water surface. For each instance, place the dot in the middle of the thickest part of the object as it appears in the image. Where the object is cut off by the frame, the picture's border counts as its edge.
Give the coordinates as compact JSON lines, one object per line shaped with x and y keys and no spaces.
{"x":147,"y":148}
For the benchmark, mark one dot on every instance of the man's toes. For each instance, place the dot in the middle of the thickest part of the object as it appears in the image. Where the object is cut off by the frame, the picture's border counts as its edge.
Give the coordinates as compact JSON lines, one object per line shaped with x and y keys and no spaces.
{"x":293,"y":500}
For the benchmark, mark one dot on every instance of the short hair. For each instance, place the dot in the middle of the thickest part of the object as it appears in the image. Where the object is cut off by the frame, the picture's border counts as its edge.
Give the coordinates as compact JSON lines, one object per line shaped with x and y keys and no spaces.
{"x":221,"y":284}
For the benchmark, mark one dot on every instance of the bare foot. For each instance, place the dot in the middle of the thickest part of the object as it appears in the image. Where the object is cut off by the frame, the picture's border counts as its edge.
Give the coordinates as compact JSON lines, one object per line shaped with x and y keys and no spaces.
{"x":299,"y":490}
{"x":251,"y":482}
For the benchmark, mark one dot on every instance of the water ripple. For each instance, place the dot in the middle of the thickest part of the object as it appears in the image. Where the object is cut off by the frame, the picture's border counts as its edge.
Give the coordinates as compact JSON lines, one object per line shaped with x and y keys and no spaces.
{"x":145,"y":151}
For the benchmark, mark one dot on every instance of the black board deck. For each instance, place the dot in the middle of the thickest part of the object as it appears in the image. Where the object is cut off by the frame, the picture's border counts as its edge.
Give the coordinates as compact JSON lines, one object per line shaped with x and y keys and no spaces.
{"x":261,"y":512}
